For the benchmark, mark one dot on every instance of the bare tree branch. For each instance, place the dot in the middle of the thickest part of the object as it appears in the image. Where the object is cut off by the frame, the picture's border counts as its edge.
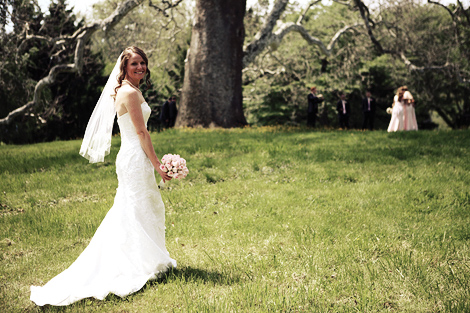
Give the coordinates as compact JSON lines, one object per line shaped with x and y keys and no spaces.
{"x":443,"y":6}
{"x":262,"y":38}
{"x":346,"y":3}
{"x":81,"y":36}
{"x":340,"y":32}
{"x":51,"y":41}
{"x":363,"y":10}
{"x":464,"y":12}
{"x":413,"y":67}
{"x":302,"y":16}
{"x":452,"y":15}
{"x":288,"y":27}
{"x":326,"y":50}
{"x":260,"y":73}
{"x":266,"y":36}
{"x":167,"y":5}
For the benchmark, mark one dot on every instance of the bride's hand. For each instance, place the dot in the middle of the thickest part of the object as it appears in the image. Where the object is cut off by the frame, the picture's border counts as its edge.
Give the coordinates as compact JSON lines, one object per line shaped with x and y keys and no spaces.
{"x":164,"y":175}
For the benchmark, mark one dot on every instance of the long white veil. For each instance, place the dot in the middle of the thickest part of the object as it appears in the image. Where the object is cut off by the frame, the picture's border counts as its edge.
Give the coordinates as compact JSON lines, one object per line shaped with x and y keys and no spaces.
{"x":97,"y":140}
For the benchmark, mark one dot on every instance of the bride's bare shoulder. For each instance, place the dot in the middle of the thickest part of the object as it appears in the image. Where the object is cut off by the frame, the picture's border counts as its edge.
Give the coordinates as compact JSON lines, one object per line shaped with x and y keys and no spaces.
{"x":126,"y":93}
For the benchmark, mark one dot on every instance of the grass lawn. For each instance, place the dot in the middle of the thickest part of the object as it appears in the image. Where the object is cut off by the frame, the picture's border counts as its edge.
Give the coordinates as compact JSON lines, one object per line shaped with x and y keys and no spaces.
{"x":269,"y":219}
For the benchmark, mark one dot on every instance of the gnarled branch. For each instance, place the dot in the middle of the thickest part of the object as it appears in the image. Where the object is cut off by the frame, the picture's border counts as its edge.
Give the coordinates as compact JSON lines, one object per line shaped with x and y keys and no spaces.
{"x":263,"y":37}
{"x":365,"y":16}
{"x":167,"y":5}
{"x":81,"y":36}
{"x":302,"y":16}
{"x":467,"y":17}
{"x":443,"y":6}
{"x":326,"y":50}
{"x":346,"y":3}
{"x":413,"y":67}
{"x":363,"y":8}
{"x":452,"y":15}
{"x":266,"y":36}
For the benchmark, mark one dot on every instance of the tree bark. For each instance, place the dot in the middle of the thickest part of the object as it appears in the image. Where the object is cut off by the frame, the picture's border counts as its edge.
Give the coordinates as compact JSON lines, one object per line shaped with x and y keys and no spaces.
{"x":212,"y":90}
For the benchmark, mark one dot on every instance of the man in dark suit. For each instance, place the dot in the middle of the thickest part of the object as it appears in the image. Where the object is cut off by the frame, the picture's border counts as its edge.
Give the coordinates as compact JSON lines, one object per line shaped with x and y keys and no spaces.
{"x":165,"y":114}
{"x":344,"y":111}
{"x":368,"y":108}
{"x":172,"y":112}
{"x":313,"y":101}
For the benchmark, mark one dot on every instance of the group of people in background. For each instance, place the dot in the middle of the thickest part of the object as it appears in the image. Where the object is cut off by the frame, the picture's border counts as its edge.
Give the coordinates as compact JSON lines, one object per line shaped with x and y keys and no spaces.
{"x":403,"y":112}
{"x":368,"y":109}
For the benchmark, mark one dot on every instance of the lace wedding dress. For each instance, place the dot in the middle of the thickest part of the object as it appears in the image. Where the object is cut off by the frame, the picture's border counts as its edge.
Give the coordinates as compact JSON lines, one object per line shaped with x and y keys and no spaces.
{"x":128,"y":248}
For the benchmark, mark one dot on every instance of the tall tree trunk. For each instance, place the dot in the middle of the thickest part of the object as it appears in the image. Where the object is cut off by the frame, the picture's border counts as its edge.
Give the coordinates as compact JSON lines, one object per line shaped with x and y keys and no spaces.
{"x":212,"y":91}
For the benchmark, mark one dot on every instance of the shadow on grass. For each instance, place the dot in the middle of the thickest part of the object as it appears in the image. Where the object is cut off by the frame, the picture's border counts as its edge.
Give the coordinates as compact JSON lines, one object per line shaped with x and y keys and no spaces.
{"x":185,"y":274}
{"x":190,"y":274}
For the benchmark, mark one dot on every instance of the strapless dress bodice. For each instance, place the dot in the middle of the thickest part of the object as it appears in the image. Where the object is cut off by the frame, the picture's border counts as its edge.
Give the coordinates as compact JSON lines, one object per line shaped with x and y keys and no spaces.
{"x":129,"y":136}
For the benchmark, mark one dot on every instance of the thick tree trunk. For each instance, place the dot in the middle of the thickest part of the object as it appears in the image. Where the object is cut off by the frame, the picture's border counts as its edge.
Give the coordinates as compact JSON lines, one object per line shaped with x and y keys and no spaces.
{"x":212,"y":91}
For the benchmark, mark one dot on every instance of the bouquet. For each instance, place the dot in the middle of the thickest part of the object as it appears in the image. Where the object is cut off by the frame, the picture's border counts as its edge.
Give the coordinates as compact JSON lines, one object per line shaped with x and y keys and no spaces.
{"x":389,"y":110}
{"x":174,"y":166}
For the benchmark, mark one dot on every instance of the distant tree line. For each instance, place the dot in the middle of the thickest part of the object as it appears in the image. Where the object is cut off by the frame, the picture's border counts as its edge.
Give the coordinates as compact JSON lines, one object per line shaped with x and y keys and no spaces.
{"x":54,"y":64}
{"x":424,"y":46}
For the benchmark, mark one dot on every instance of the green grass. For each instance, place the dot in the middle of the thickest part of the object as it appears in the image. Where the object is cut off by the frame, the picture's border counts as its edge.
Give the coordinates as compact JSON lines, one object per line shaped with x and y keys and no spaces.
{"x":269,"y":219}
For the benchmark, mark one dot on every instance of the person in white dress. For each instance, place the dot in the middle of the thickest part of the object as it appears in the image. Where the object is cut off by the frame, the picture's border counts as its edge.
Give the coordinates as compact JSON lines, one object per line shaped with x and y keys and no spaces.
{"x":128,"y":248}
{"x":397,"y":122}
{"x":409,"y":113}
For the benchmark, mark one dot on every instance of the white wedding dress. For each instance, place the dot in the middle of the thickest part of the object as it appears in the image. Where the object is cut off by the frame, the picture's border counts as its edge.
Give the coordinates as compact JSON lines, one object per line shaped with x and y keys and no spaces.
{"x":397,"y":122}
{"x":128,"y":248}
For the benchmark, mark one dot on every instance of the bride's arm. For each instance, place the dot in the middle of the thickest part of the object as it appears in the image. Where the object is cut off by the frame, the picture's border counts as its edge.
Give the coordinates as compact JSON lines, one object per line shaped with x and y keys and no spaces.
{"x":133,"y":102}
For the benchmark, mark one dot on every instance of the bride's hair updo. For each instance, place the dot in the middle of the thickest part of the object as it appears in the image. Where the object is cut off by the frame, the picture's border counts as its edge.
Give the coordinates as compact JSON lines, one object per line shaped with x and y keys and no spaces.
{"x":126,"y":55}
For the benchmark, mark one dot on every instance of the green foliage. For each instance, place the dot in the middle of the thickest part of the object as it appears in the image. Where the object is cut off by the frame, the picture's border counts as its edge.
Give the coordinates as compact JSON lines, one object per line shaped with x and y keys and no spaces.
{"x":68,"y":103}
{"x":16,"y":82}
{"x":424,"y":32}
{"x":274,"y":108}
{"x":431,"y":37}
{"x":165,"y":39}
{"x":269,"y":219}
{"x":296,"y":66}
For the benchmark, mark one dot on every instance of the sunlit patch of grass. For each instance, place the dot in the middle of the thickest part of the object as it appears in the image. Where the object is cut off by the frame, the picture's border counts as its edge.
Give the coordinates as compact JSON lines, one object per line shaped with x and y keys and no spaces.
{"x":269,"y":219}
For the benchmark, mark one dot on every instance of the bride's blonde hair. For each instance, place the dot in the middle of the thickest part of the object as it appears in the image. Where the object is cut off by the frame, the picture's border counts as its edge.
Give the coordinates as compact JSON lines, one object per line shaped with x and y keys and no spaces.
{"x":126,"y":55}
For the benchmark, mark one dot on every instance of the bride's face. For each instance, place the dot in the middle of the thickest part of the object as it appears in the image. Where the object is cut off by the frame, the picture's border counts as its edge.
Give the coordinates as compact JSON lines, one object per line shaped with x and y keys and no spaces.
{"x":136,"y":68}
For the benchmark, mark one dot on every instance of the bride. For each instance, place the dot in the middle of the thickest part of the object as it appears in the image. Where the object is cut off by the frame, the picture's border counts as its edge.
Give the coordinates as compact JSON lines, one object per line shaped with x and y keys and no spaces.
{"x":397,"y":122}
{"x":128,"y":248}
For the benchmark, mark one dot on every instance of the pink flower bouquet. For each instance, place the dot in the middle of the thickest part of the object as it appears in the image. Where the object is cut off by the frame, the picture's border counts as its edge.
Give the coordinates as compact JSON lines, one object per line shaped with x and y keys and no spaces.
{"x":174,"y":166}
